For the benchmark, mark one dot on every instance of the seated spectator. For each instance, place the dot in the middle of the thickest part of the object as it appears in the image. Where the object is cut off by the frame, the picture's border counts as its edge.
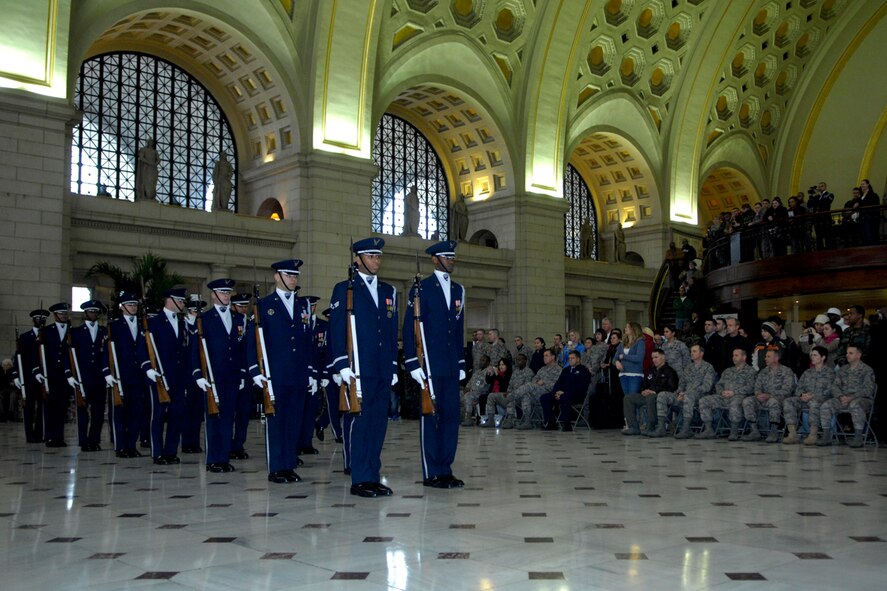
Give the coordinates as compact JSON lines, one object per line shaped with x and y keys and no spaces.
{"x":661,"y":378}
{"x":857,"y":333}
{"x":736,"y":383}
{"x":854,"y":392}
{"x":683,"y":306}
{"x":696,"y":381}
{"x":498,"y":384}
{"x":677,"y":355}
{"x":769,"y":342}
{"x":520,"y":375}
{"x":476,"y":388}
{"x":537,"y":360}
{"x":527,"y":396}
{"x":814,"y":388}
{"x":773,"y":385}
{"x":570,"y":388}
{"x":630,"y":361}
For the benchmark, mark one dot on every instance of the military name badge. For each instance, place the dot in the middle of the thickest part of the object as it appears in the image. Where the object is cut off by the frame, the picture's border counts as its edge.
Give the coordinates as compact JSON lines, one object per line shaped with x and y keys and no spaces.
{"x":305,"y":317}
{"x":458,"y":308}
{"x":390,"y":305}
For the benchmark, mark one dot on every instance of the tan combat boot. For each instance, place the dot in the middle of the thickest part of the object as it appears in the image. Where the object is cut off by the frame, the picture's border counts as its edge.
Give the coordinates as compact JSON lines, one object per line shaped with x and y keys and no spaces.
{"x":811,"y":437}
{"x":792,"y":436}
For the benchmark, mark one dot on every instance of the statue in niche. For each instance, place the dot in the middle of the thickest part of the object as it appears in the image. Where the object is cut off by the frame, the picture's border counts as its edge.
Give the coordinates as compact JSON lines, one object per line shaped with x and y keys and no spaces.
{"x":146,"y":173}
{"x":459,"y":219}
{"x":223,"y":173}
{"x":619,"y":238}
{"x":103,"y":191}
{"x":411,"y":213}
{"x":586,"y":246}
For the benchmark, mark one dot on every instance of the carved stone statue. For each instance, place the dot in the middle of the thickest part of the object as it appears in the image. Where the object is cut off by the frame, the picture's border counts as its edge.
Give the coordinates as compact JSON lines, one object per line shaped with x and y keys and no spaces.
{"x":459,"y":219}
{"x":586,"y":246}
{"x":146,"y":173}
{"x":411,"y":213}
{"x":619,"y":237}
{"x":223,"y":173}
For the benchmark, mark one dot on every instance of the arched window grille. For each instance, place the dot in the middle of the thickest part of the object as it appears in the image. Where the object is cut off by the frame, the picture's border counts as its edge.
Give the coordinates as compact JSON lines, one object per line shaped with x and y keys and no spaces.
{"x":578,"y":195}
{"x":406,"y":159}
{"x":127,"y":99}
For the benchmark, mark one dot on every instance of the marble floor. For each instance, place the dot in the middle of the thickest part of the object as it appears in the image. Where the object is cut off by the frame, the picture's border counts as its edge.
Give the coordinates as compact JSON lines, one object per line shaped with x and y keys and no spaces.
{"x":541,"y":510}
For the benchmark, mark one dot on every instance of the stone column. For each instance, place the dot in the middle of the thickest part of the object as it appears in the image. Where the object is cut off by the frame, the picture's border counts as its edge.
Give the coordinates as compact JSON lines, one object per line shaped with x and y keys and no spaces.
{"x":619,"y":316}
{"x":32,"y":189}
{"x":587,"y":317}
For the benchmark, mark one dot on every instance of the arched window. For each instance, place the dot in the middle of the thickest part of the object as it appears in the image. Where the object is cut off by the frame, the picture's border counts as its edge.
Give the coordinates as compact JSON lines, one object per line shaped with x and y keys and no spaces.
{"x":581,"y":210}
{"x":128,"y":99}
{"x":405,"y":160}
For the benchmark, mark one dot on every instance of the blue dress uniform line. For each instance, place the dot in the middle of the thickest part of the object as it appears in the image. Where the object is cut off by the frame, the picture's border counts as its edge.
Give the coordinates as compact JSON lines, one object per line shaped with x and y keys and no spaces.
{"x":444,"y":324}
{"x":226,"y":344}
{"x":288,"y":343}
{"x":245,"y":406}
{"x":33,"y":402}
{"x":332,"y":417}
{"x":171,"y":348}
{"x":89,"y":343}
{"x":195,"y":401}
{"x":319,"y":335}
{"x":58,"y":372}
{"x":132,"y":355}
{"x":375,"y":311}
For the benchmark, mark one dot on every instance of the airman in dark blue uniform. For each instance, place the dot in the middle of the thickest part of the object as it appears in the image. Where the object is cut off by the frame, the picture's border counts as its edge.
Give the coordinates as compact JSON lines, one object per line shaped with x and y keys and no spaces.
{"x":318,"y":361}
{"x":243,"y":409}
{"x":91,"y":355}
{"x":375,"y":315}
{"x":285,"y":322}
{"x":195,"y":401}
{"x":54,"y":369}
{"x":331,"y":417}
{"x":28,"y":355}
{"x":442,"y":306}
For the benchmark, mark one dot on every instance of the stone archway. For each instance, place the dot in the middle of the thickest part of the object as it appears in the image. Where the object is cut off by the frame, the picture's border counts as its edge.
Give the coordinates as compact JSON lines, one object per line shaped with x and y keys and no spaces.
{"x":722,"y":189}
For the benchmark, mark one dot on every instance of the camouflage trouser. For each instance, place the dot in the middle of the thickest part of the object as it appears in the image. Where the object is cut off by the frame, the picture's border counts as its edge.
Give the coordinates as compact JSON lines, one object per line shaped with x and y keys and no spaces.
{"x":665,"y":400}
{"x":496,"y":399}
{"x":708,"y":404}
{"x":792,"y":408}
{"x":751,"y":406}
{"x":527,"y":397}
{"x":858,"y":408}
{"x":469,"y":400}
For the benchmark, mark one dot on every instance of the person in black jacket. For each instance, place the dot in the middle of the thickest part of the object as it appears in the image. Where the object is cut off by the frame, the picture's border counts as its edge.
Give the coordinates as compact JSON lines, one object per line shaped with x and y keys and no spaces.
{"x":537,"y":361}
{"x":662,"y":378}
{"x":570,"y":388}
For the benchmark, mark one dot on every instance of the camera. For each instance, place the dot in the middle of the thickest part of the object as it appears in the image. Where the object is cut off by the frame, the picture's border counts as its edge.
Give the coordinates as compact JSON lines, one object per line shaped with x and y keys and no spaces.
{"x":812,"y":190}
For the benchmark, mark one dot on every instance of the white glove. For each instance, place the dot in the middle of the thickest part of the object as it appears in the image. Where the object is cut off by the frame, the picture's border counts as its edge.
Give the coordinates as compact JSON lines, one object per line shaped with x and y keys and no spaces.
{"x":393,"y":379}
{"x":337,"y":379}
{"x":152,"y":375}
{"x":461,"y":374}
{"x":324,"y":383}
{"x":418,"y":374}
{"x":72,"y":382}
{"x":17,"y":383}
{"x":202,"y":384}
{"x":312,"y":385}
{"x":242,"y":384}
{"x":40,"y":379}
{"x":260,"y":380}
{"x":347,"y":375}
{"x":109,"y":379}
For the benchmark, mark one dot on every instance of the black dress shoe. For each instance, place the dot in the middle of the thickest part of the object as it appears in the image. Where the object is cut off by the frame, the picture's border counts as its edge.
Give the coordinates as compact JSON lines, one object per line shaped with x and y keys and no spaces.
{"x":96,"y":447}
{"x":134,"y":453}
{"x":277,"y":478}
{"x":291,"y":476}
{"x":161,"y":461}
{"x":299,"y":462}
{"x":435,"y":482}
{"x":339,"y":440}
{"x":86,"y":447}
{"x":364,"y":489}
{"x":382,"y":490}
{"x":347,"y":471}
{"x":145,"y":445}
{"x":238,"y":455}
{"x":313,"y":451}
{"x":216,"y":468}
{"x":226,"y":467}
{"x":318,"y":431}
{"x":122,"y":453}
{"x":452,"y":481}
{"x":172,"y":459}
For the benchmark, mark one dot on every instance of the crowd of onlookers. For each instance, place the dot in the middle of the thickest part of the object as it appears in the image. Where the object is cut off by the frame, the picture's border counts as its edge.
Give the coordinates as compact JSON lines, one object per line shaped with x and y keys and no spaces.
{"x":651,"y":382}
{"x":771,"y":227}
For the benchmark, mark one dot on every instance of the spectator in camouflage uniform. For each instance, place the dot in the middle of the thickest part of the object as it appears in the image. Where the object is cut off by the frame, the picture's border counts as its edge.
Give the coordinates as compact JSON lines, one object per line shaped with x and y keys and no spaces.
{"x":696,"y":381}
{"x":857,"y":334}
{"x":476,"y":388}
{"x":527,"y":396}
{"x":661,"y":378}
{"x":520,"y":376}
{"x":814,"y":388}
{"x":774,"y":383}
{"x":495,"y":349}
{"x":736,"y":383}
{"x":853,"y":392}
{"x":677,"y":355}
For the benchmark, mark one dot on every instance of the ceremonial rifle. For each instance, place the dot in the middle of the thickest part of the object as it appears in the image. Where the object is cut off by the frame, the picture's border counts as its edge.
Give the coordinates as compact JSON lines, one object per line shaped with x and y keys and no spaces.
{"x":42,"y":360}
{"x":114,"y":367}
{"x":262,"y":353}
{"x":428,"y":397}
{"x":350,"y":395}
{"x":212,"y":397}
{"x":75,"y":366}
{"x":21,"y":371}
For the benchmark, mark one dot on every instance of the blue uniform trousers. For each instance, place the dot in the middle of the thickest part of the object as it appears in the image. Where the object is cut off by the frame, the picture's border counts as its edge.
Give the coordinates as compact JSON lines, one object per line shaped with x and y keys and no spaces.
{"x":56,"y":408}
{"x":195,"y":408}
{"x":171,"y":414}
{"x":567,"y":400}
{"x":439,"y":433}
{"x":91,"y":416}
{"x":282,"y":428}
{"x":243,"y":410}
{"x":347,"y":424}
{"x":368,"y":430}
{"x":33,"y":415}
{"x":312,"y":403}
{"x":219,"y":429}
{"x":127,"y":418}
{"x":332,"y":417}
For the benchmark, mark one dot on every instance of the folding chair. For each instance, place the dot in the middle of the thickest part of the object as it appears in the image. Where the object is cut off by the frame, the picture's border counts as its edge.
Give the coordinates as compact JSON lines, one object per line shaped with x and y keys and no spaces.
{"x":581,"y":410}
{"x":868,"y":432}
